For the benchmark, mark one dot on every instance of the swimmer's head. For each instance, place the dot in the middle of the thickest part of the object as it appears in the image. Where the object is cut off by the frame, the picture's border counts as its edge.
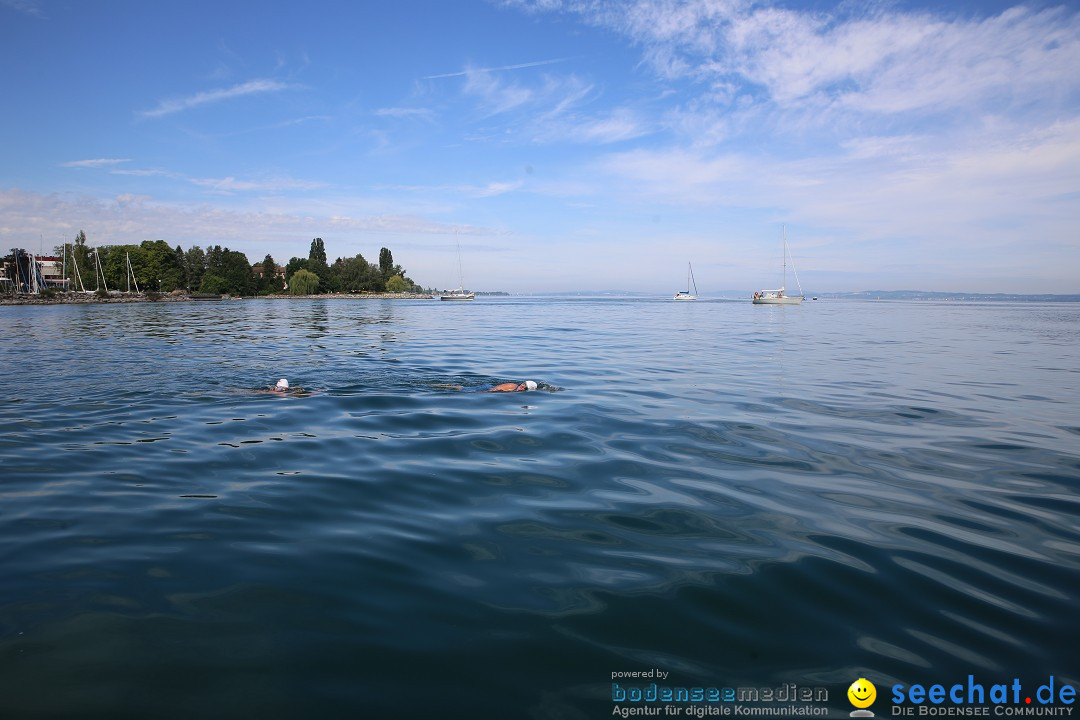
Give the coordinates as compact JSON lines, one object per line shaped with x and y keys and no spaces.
{"x":282,"y":384}
{"x":530,"y":385}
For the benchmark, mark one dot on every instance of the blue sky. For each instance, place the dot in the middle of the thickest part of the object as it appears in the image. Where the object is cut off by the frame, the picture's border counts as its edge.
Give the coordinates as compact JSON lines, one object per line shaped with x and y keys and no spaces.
{"x":562,"y":144}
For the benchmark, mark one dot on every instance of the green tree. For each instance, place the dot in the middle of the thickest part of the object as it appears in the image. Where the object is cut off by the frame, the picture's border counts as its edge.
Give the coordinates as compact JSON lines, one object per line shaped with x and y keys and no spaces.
{"x":237,"y":270}
{"x":303,"y":282}
{"x":194,"y":267}
{"x":386,"y":263}
{"x":160,"y":268}
{"x":294,"y":265}
{"x":317,"y":264}
{"x":356,"y":274}
{"x":181,"y":261}
{"x":114,"y":264}
{"x":214,"y":284}
{"x":317,"y":253}
{"x":269,"y":282}
{"x":231,"y":266}
{"x":214,"y":258}
{"x":396,"y":283}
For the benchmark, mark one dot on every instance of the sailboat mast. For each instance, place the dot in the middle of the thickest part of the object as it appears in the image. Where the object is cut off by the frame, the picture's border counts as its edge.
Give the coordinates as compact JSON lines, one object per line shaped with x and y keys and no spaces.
{"x":101,"y":270}
{"x":784,"y":284}
{"x":460,"y":273}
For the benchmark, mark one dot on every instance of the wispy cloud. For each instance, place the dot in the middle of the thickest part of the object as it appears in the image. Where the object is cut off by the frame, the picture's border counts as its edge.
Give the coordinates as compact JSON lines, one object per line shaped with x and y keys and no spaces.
{"x":546,"y":99}
{"x":518,"y":66}
{"x":147,"y":172}
{"x":403,"y":112}
{"x":252,"y":87}
{"x":227,"y":185}
{"x":95,"y":163}
{"x":952,"y":199}
{"x":29,"y":7}
{"x":491,"y":189}
{"x":273,"y":184}
{"x":496,"y":95}
{"x":293,"y":122}
{"x":131,"y":219}
{"x":894,"y":132}
{"x":495,"y":188}
{"x":615,"y":126}
{"x":854,"y":61}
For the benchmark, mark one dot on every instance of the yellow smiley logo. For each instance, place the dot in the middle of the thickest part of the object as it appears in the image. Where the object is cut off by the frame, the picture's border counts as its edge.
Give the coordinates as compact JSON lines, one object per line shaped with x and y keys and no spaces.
{"x":862,"y":693}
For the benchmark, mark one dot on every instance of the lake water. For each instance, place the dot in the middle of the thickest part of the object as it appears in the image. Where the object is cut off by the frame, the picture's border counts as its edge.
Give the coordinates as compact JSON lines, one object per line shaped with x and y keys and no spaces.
{"x":738,"y":495}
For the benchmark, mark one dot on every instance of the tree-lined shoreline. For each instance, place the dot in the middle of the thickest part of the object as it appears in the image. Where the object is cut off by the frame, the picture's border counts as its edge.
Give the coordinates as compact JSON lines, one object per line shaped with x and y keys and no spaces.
{"x":81,"y":298}
{"x":155,"y":267}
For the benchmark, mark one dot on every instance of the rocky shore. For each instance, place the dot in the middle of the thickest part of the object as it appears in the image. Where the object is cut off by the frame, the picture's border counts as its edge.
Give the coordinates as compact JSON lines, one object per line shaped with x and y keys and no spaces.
{"x":118,"y":297}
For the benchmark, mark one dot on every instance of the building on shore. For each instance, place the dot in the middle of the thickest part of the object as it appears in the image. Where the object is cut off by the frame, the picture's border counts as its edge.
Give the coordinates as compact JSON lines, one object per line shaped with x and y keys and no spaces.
{"x":258,"y":271}
{"x":32,"y":274}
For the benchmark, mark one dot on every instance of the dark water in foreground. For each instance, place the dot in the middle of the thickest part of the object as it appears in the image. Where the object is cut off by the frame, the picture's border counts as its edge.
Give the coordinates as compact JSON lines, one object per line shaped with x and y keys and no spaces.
{"x":738,"y":495}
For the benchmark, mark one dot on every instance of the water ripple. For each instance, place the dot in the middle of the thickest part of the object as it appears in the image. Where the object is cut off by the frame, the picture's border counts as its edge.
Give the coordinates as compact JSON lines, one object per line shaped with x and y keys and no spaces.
{"x":730,"y":493}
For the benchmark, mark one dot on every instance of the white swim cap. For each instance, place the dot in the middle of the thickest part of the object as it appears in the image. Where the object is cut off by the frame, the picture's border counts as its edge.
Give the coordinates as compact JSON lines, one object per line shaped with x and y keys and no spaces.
{"x":283,"y":384}
{"x":530,"y":385}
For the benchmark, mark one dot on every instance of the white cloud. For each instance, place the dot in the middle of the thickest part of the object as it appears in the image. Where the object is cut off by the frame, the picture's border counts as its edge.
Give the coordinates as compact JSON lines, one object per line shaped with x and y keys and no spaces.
{"x":616,"y":126}
{"x":518,"y":66}
{"x":491,"y":189}
{"x":228,"y":184}
{"x":866,"y":61}
{"x":274,"y":184}
{"x":26,"y":216}
{"x":495,"y":188}
{"x":29,"y":7}
{"x":252,"y":87}
{"x":138,"y":172}
{"x":553,"y":109}
{"x":940,"y":141}
{"x":95,"y":163}
{"x":889,"y":200}
{"x":403,"y":112}
{"x":495,"y":95}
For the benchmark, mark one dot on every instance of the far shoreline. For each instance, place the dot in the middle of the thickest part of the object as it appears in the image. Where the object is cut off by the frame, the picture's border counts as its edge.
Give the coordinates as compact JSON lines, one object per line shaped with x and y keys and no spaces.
{"x":76,"y":298}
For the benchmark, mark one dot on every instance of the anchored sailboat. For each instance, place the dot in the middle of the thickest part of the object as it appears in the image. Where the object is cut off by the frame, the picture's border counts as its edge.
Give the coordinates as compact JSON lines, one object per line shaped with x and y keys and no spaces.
{"x":780,"y":297}
{"x":689,"y":279}
{"x":460,"y":293}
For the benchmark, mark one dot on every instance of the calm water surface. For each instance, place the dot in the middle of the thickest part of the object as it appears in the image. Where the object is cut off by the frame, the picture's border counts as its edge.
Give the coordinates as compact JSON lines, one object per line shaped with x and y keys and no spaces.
{"x":737,"y":494}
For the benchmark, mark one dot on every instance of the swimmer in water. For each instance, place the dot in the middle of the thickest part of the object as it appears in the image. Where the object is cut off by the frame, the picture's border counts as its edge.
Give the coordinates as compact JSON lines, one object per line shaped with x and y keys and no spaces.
{"x":502,"y":387}
{"x":514,"y":387}
{"x":282,"y":386}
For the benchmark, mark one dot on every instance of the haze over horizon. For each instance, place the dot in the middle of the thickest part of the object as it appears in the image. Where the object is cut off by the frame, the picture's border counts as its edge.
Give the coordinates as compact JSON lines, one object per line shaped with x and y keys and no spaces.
{"x":564,"y":145}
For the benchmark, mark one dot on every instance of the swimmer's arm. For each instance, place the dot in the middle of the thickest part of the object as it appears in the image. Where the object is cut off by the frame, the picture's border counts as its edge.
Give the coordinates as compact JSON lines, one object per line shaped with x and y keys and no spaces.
{"x":505,"y":387}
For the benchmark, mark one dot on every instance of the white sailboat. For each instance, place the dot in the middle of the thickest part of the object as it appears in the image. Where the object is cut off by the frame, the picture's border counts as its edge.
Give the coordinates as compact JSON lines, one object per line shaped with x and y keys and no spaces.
{"x":689,"y":279}
{"x":780,"y":296}
{"x":460,"y":293}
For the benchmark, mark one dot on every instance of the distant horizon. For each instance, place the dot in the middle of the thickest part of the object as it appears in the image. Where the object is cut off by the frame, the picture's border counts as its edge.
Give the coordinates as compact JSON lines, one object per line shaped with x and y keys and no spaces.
{"x":745,"y":294}
{"x":553,"y":145}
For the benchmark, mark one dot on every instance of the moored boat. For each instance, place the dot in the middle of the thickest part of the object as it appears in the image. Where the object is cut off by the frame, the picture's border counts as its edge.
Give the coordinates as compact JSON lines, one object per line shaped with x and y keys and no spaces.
{"x":780,"y":296}
{"x":460,"y":293}
{"x":689,"y":279}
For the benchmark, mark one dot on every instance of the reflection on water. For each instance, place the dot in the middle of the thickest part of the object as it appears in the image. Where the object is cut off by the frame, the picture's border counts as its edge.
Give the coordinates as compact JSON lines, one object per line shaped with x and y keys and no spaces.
{"x":737,"y":494}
